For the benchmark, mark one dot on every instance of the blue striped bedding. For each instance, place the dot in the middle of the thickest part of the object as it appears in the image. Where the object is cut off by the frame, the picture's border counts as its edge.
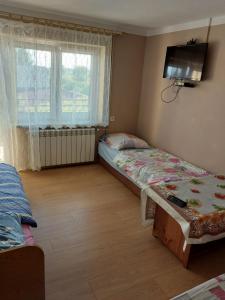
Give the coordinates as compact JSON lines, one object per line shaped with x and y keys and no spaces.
{"x":11,"y":232}
{"x":12,"y":196}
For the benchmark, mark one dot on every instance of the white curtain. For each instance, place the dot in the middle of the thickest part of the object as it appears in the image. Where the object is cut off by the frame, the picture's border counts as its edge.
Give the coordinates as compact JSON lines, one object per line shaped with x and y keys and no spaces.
{"x":49,"y":77}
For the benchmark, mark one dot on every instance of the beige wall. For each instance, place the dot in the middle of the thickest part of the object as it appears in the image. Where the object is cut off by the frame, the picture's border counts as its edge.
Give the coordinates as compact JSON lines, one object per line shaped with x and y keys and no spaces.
{"x":127,"y":63}
{"x":192,"y":127}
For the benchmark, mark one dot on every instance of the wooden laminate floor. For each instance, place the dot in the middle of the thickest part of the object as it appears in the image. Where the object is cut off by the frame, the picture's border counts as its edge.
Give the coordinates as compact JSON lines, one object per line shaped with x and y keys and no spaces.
{"x":95,"y":246}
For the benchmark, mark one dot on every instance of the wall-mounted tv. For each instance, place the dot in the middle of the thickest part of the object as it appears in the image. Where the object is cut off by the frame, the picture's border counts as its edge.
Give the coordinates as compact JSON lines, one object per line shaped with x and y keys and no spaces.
{"x":185,"y":62}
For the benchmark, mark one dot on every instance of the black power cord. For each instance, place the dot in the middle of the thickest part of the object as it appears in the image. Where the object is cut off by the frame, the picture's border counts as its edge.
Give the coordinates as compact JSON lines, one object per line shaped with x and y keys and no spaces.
{"x":173,"y":84}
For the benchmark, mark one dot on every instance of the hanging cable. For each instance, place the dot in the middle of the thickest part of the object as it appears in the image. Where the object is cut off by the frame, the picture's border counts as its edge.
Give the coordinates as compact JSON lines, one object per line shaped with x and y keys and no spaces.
{"x":168,"y":87}
{"x":208,"y":31}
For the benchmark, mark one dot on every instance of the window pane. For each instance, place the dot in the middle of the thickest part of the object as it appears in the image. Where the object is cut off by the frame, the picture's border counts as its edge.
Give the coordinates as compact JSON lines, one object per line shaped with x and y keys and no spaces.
{"x":33,"y":84}
{"x":76,"y":69}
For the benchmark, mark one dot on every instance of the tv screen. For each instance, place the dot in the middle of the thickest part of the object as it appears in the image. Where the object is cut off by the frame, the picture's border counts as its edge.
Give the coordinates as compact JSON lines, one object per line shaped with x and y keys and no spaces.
{"x":185,"y":62}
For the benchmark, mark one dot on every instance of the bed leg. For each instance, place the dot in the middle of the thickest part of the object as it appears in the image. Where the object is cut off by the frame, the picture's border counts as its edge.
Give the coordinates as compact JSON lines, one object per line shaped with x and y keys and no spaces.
{"x":186,"y":255}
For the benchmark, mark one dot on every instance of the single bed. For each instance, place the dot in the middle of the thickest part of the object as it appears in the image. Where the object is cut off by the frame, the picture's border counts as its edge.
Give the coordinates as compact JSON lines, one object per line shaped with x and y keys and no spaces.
{"x":22,"y":262}
{"x":144,"y":171}
{"x":143,"y":167}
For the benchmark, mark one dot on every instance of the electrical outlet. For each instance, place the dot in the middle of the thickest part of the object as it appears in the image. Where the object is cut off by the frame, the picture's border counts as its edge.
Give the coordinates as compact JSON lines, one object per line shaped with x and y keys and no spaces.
{"x":112,"y":118}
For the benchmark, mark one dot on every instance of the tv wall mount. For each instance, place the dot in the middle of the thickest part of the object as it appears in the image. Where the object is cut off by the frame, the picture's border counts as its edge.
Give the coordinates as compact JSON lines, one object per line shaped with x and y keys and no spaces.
{"x":182,"y":83}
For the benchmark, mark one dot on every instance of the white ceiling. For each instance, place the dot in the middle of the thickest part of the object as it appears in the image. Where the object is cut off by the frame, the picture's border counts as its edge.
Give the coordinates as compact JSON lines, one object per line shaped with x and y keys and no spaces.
{"x":135,"y":15}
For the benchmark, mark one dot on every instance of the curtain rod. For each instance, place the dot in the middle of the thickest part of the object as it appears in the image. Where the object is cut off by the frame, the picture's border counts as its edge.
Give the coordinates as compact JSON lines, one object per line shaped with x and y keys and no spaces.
{"x":56,"y":23}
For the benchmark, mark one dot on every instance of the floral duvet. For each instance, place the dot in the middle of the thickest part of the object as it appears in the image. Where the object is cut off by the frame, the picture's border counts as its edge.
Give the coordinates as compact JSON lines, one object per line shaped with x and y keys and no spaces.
{"x":154,"y":166}
{"x":205,"y":210}
{"x":160,"y":174}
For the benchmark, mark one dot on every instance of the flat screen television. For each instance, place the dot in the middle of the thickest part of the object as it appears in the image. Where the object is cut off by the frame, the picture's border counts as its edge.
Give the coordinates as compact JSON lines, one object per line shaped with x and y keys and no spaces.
{"x":185,"y":62}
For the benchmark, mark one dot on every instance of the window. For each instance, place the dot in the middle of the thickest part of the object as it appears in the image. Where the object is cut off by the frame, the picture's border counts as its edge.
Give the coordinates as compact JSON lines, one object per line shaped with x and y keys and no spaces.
{"x":76,"y":85}
{"x":57,"y":85}
{"x":33,"y":84}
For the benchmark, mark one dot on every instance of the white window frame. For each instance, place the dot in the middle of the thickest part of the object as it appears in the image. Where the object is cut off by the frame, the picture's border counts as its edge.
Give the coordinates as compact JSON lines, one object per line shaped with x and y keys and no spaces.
{"x":57,"y":51}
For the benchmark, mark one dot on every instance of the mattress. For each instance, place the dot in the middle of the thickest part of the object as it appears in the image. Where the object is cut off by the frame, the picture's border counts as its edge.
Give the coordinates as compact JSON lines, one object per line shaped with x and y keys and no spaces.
{"x":108,"y":154}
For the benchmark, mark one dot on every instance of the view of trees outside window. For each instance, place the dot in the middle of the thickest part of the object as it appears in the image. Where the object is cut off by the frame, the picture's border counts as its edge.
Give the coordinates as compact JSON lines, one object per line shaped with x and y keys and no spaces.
{"x":62,"y":87}
{"x":75,"y":82}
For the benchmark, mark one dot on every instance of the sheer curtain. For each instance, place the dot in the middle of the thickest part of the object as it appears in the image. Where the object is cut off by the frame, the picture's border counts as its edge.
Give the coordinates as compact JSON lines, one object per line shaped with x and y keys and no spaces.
{"x":49,"y":77}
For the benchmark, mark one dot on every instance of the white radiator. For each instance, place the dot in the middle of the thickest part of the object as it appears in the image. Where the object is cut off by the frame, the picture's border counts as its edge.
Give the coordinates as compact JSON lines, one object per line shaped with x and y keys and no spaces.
{"x":66,"y":146}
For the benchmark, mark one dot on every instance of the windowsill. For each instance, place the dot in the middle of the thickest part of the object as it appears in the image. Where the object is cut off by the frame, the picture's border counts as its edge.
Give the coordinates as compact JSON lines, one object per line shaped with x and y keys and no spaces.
{"x":63,"y":127}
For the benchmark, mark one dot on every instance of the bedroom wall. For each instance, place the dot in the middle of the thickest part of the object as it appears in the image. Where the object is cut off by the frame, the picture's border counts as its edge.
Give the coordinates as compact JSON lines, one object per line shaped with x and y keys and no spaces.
{"x":127,"y":64}
{"x":192,"y":127}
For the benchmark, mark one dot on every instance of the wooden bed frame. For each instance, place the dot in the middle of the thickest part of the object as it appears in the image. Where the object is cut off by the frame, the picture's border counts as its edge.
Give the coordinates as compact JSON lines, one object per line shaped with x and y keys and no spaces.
{"x":165,"y":227}
{"x":22,"y":274}
{"x":133,"y":187}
